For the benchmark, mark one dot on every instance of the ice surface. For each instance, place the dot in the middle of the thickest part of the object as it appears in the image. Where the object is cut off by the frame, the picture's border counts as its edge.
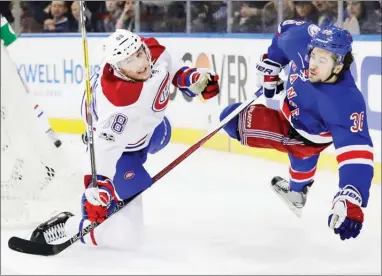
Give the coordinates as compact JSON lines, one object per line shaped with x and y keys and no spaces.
{"x":216,"y":214}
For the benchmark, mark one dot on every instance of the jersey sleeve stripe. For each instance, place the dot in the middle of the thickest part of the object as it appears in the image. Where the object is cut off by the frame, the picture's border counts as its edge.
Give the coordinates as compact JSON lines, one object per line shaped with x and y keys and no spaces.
{"x":354,"y":147}
{"x":355,"y":157}
{"x":356,"y":161}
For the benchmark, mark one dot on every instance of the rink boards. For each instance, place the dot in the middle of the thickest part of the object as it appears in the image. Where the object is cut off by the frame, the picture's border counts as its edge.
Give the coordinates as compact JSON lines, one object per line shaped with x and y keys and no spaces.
{"x":51,"y":65}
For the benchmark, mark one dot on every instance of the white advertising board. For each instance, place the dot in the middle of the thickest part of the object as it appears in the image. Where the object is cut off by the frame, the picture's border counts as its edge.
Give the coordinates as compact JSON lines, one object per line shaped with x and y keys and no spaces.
{"x":52,"y":68}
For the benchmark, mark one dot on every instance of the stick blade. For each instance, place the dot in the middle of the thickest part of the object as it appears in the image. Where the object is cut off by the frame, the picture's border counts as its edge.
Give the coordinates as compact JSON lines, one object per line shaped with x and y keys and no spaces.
{"x":30,"y":247}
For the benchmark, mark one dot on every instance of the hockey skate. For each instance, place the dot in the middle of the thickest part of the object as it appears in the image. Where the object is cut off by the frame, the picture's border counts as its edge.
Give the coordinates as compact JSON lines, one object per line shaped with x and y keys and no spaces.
{"x":294,"y":200}
{"x":51,"y":230}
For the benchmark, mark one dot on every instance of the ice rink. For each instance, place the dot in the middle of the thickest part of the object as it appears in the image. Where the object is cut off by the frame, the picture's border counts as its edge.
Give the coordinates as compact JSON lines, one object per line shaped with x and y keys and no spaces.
{"x":216,"y":214}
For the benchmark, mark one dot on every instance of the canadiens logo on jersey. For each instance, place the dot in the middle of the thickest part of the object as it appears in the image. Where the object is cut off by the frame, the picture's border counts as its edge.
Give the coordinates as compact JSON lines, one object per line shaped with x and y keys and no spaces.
{"x":163,"y":95}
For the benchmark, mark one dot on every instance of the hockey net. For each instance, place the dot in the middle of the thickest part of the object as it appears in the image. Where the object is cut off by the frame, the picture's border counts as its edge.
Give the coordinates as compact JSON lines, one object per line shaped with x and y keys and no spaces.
{"x":37,"y":179}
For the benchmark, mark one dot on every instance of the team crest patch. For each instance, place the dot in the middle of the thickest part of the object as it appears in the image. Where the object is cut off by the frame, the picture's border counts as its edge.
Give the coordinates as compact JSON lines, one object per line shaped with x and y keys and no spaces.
{"x":313,"y":30}
{"x":129,"y":175}
{"x":163,"y":95}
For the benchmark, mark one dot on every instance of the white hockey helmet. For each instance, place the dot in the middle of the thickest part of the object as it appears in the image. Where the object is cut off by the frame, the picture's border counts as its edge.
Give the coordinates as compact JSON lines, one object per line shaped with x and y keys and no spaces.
{"x":121,"y":45}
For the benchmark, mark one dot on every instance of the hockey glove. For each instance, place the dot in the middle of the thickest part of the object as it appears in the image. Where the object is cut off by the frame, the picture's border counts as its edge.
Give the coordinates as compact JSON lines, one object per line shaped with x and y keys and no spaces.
{"x":346,"y":216}
{"x":267,"y":76}
{"x":197,"y":81}
{"x":97,"y":200}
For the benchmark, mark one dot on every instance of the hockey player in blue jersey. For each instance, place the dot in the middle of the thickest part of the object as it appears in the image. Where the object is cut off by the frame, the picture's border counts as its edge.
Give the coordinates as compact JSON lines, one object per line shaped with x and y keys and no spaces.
{"x":322,"y":106}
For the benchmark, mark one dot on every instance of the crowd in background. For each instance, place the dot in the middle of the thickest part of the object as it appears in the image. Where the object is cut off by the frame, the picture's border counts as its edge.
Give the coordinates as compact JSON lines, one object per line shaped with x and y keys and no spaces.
{"x":359,"y":17}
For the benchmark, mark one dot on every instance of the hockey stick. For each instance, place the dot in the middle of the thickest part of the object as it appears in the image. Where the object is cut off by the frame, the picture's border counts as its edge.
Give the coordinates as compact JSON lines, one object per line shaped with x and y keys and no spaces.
{"x":31,"y":247}
{"x":88,"y":99}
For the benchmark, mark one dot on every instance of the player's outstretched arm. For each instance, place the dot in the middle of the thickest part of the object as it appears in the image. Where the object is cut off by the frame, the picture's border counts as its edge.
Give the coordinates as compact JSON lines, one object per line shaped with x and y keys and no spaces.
{"x":354,"y":153}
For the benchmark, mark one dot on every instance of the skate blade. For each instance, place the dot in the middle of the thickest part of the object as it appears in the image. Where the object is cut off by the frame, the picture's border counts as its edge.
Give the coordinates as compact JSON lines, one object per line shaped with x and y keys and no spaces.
{"x":294,"y":209}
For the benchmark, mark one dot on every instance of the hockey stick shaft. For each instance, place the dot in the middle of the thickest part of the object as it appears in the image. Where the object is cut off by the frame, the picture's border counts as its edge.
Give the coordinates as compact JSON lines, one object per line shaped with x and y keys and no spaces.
{"x":176,"y":162}
{"x":204,"y":139}
{"x":30,"y":247}
{"x":88,"y":93}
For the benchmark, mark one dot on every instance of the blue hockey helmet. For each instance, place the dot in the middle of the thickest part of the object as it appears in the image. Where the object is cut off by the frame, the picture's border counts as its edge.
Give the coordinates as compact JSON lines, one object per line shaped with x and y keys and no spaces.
{"x":335,"y":40}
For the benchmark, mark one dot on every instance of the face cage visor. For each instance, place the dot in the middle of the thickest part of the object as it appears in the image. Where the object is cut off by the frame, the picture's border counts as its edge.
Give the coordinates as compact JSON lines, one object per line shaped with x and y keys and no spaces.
{"x":135,"y":63}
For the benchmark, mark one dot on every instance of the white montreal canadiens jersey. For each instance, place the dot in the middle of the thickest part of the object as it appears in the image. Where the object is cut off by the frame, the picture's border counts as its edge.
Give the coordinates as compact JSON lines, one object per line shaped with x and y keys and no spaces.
{"x":125,"y":114}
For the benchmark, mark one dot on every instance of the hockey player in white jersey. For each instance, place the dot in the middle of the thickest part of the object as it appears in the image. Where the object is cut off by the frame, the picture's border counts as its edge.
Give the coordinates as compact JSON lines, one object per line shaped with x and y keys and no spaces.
{"x":130,"y":94}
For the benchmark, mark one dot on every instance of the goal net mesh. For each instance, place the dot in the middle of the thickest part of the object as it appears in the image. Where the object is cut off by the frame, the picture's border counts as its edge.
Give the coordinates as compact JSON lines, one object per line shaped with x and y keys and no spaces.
{"x":37,"y":179}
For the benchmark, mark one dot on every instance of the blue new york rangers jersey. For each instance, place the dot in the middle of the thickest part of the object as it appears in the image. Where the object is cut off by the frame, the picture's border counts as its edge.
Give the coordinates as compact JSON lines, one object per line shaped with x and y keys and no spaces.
{"x":323,"y":112}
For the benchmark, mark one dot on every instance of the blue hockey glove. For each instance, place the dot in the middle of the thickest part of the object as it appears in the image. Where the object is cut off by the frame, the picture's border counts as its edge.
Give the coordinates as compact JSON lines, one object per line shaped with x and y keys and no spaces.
{"x":346,"y":216}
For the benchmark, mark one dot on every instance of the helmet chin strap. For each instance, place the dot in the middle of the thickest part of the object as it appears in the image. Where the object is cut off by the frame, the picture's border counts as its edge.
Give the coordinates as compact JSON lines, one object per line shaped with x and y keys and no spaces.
{"x":332,"y":74}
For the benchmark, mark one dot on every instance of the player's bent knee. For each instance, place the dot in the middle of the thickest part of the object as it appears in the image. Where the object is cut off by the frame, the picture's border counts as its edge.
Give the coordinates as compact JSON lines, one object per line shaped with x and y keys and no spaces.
{"x":126,"y":230}
{"x":232,"y":127}
{"x":161,"y":136}
{"x":130,"y":177}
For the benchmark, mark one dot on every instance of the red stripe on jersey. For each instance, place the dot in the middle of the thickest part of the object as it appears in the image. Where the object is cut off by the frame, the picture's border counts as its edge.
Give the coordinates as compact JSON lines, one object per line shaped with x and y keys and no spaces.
{"x":119,"y":92}
{"x":325,"y":134}
{"x":355,"y":154}
{"x":285,"y":110}
{"x":137,"y":142}
{"x":93,"y":237}
{"x":302,"y":175}
{"x":163,"y":95}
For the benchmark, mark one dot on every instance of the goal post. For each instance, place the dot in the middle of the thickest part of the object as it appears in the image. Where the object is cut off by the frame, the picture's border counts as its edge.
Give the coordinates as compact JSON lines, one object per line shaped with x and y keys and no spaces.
{"x":37,"y":178}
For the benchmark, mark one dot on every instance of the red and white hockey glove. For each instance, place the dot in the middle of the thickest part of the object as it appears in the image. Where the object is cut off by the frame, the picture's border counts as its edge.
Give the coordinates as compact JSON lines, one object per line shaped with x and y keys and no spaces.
{"x":267,"y":76}
{"x":346,"y":216}
{"x":197,"y":81}
{"x":97,"y":200}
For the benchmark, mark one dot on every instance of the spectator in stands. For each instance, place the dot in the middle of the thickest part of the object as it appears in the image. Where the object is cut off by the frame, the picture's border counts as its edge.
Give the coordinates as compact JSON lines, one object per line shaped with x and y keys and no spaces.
{"x":201,"y":17}
{"x":305,"y":11}
{"x":361,"y":18}
{"x":108,"y":21}
{"x":59,"y":22}
{"x":219,"y":15}
{"x":208,"y":16}
{"x":39,"y":10}
{"x":152,"y":15}
{"x":378,"y":16}
{"x":89,"y":23}
{"x":174,"y":19}
{"x":27,"y":22}
{"x":327,"y":12}
{"x":270,"y":14}
{"x":127,"y":17}
{"x":248,"y":19}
